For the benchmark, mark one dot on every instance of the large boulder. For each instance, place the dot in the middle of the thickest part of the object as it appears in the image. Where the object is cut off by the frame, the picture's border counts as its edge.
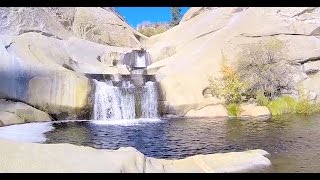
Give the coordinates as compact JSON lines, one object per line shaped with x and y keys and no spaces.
{"x":24,"y":111}
{"x":93,"y":58}
{"x":71,"y":158}
{"x":46,"y":52}
{"x":252,"y":110}
{"x":219,"y":31}
{"x":208,"y":111}
{"x":8,"y":118}
{"x":33,"y":70}
{"x":219,"y":162}
{"x":19,"y":20}
{"x":73,"y":54}
{"x":64,"y":94}
{"x":313,"y":84}
{"x":17,"y":112}
{"x":101,"y":25}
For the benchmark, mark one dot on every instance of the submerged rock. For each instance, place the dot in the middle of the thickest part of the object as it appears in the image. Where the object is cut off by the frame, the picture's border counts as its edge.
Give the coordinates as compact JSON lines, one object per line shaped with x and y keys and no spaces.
{"x":29,"y":157}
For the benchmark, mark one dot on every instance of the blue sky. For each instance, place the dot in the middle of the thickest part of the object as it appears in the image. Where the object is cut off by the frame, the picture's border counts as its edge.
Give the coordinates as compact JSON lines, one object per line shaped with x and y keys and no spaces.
{"x":137,"y":15}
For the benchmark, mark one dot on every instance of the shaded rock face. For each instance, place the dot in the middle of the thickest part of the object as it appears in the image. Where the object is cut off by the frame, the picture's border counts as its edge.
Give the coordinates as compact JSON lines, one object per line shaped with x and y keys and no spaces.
{"x":54,"y":95}
{"x":71,"y":158}
{"x":33,"y":70}
{"x":17,"y":113}
{"x":213,"y":31}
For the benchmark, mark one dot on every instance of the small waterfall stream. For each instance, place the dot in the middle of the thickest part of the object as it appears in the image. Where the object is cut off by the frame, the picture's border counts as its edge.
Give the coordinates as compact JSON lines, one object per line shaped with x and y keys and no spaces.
{"x":149,"y":100}
{"x":127,"y":99}
{"x":106,"y":102}
{"x":111,"y":102}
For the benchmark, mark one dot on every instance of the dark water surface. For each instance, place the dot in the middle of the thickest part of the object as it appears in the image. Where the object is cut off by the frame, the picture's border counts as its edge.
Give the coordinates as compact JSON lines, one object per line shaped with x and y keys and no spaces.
{"x":292,"y":141}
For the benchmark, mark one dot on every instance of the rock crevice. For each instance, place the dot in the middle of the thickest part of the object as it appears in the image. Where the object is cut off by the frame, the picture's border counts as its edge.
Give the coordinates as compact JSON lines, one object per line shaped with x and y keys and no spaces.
{"x":311,"y":59}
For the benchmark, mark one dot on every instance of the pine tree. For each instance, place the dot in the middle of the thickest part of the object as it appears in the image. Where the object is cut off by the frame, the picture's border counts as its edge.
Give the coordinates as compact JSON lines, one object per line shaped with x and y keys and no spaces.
{"x":175,"y":15}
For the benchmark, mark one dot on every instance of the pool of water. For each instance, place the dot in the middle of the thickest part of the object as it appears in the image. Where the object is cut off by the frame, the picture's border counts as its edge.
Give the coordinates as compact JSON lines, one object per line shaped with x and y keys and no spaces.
{"x":292,"y":141}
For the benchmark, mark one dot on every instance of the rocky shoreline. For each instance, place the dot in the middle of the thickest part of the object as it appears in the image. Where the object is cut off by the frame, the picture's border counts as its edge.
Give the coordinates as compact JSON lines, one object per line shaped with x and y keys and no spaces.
{"x":40,"y":158}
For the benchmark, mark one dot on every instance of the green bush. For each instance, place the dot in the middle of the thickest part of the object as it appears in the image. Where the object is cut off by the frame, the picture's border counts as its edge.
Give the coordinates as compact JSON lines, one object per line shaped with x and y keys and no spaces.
{"x":261,"y":66}
{"x":282,"y":105}
{"x":289,"y":105}
{"x":233,"y":109}
{"x":229,"y":86}
{"x":260,"y":73}
{"x":150,"y":31}
{"x":262,"y":99}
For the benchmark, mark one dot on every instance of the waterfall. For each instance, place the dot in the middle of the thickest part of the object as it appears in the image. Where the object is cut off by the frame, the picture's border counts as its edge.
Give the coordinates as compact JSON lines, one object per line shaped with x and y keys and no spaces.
{"x":111,"y":102}
{"x":119,"y":99}
{"x":127,"y":102}
{"x":149,"y":100}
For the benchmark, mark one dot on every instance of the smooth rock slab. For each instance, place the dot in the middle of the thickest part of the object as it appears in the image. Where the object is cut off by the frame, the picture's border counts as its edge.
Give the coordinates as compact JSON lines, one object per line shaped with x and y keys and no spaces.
{"x":21,"y":113}
{"x":8,"y":118}
{"x":209,"y":111}
{"x":251,"y":110}
{"x":29,"y":157}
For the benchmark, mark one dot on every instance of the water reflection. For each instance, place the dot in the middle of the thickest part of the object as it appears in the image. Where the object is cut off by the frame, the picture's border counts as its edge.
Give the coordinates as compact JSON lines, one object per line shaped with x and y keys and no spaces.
{"x":73,"y":132}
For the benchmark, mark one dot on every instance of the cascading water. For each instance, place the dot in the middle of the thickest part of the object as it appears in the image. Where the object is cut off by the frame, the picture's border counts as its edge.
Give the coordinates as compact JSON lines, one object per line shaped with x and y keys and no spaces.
{"x":149,"y":100}
{"x":111,"y":102}
{"x":123,"y":100}
{"x":106,"y":102}
{"x":127,"y":101}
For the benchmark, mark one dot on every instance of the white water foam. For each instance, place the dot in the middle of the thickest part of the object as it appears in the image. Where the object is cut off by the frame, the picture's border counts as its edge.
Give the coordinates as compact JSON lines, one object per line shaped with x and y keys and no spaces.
{"x":149,"y":102}
{"x":30,"y":132}
{"x":113,"y":102}
{"x":127,"y":122}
